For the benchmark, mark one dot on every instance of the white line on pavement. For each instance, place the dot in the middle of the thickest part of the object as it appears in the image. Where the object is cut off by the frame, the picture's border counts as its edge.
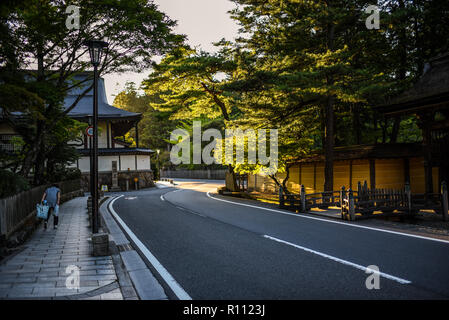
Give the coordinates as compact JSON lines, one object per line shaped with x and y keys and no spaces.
{"x":168,"y":278}
{"x":162,"y":197}
{"x":357,"y":266}
{"x":330,"y":221}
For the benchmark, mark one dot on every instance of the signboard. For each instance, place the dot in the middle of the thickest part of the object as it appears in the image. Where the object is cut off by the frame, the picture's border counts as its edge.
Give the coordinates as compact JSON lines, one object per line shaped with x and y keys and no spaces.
{"x":90,"y":131}
{"x":104,"y":188}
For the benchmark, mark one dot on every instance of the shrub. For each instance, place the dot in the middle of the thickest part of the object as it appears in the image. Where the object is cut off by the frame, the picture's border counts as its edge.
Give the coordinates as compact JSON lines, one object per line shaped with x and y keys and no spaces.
{"x":12,"y":183}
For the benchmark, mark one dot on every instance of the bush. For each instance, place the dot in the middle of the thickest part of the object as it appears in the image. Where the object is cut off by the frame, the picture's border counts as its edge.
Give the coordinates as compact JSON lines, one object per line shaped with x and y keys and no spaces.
{"x":12,"y":183}
{"x":63,"y":174}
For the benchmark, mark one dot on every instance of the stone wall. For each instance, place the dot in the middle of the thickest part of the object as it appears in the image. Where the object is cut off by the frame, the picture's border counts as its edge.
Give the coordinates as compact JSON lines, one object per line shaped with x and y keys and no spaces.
{"x":105,"y":178}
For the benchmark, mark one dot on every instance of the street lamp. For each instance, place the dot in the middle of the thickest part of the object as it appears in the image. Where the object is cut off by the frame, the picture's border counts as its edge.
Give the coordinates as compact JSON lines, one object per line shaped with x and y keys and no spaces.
{"x":158,"y":166}
{"x":95,"y":51}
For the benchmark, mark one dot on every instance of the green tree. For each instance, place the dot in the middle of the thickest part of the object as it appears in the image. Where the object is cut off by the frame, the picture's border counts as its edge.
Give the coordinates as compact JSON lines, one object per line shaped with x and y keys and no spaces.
{"x":189,"y":86}
{"x":155,"y":126}
{"x":37,"y":37}
{"x":301,"y":64}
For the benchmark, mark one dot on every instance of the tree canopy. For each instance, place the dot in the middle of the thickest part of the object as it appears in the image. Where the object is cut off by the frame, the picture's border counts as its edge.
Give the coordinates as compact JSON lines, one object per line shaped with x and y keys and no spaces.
{"x":40,"y":57}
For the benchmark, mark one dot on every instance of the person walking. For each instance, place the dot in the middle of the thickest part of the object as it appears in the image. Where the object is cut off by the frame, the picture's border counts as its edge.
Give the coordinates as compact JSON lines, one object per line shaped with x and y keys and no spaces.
{"x":53,"y":197}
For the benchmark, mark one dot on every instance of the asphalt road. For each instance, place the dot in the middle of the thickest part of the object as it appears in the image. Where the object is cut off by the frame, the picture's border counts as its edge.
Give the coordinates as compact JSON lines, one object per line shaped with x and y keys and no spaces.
{"x":216,"y":249}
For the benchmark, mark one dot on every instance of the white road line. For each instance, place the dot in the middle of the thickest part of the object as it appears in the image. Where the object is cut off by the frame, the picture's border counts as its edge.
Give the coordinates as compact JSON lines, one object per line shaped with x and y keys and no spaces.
{"x":345,"y":262}
{"x":168,"y":278}
{"x":162,"y":197}
{"x":331,"y":221}
{"x":161,"y":186}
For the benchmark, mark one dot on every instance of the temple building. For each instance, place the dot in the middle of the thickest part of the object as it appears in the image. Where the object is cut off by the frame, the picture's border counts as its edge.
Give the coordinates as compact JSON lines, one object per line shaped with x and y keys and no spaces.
{"x":120,"y":165}
{"x":428,"y":100}
{"x":114,"y":153}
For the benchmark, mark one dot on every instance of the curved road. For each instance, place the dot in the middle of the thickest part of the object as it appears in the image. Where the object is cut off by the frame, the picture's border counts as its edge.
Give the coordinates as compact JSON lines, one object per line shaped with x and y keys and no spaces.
{"x":224,"y":248}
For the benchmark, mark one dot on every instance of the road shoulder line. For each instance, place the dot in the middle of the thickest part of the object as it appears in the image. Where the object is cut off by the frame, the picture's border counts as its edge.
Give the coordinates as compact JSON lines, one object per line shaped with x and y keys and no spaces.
{"x":330,"y":221}
{"x":166,"y":276}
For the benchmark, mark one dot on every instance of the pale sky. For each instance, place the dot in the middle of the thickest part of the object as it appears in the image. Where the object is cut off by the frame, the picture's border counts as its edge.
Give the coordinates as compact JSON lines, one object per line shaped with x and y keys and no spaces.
{"x":203,"y":21}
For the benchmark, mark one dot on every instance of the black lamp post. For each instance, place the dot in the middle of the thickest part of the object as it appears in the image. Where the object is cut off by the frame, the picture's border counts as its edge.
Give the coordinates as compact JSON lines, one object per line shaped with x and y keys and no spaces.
{"x":158,"y":165}
{"x":96,"y":51}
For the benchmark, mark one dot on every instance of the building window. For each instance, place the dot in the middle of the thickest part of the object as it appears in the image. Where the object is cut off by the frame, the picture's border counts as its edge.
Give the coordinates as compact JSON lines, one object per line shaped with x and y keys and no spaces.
{"x":7,"y":144}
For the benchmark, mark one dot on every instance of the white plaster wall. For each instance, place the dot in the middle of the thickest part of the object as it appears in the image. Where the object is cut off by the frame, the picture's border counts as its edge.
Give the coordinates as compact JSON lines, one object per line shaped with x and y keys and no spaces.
{"x":102,"y":137}
{"x":105,"y":163}
{"x":84,"y":164}
{"x":143,"y":162}
{"x":128,"y":161}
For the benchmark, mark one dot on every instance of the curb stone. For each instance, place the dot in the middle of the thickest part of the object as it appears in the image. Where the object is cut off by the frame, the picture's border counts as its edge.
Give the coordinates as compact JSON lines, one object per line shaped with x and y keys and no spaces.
{"x":135,"y":278}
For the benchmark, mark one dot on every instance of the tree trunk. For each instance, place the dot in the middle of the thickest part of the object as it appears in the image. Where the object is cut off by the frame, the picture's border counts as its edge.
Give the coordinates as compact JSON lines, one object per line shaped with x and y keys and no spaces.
{"x":356,"y":123}
{"x":395,"y":130}
{"x":329,"y":130}
{"x":39,"y":166}
{"x":31,"y":155}
{"x":329,"y":146}
{"x":287,"y":176}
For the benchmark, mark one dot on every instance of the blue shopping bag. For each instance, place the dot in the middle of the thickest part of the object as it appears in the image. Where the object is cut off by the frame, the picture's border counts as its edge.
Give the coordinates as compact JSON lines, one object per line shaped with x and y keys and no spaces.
{"x":42,"y":211}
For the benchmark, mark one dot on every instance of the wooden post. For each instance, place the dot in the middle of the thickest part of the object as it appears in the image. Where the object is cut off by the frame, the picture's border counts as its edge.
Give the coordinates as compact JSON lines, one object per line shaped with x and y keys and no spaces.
{"x":108,"y":143}
{"x":342,"y":196}
{"x":281,"y":198}
{"x":303,"y":198}
{"x":406,"y":170}
{"x":351,"y":209}
{"x":359,"y":189}
{"x":372,"y":173}
{"x":444,"y":200}
{"x":350,"y":173}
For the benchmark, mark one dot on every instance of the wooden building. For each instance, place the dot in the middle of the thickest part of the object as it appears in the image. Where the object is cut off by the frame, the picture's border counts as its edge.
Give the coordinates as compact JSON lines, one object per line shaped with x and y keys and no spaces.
{"x":428,"y":100}
{"x":113,"y":152}
{"x":382,"y":166}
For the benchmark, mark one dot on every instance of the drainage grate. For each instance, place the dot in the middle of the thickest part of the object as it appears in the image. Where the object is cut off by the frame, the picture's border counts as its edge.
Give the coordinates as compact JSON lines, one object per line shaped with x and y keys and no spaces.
{"x":124,"y":247}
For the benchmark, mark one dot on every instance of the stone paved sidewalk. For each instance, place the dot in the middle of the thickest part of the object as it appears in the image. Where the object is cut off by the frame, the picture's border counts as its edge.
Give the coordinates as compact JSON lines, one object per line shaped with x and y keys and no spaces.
{"x":39,"y":271}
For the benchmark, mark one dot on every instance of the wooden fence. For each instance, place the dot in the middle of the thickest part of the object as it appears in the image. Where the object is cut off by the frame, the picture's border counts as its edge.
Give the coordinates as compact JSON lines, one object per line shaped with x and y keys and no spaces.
{"x":304,"y":202}
{"x":366,"y":201}
{"x":242,"y":182}
{"x":16,"y":210}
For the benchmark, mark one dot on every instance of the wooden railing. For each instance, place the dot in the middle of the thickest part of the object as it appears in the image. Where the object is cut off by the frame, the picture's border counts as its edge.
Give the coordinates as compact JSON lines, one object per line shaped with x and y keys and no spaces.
{"x":366,"y":201}
{"x":242,"y":182}
{"x":304,"y":202}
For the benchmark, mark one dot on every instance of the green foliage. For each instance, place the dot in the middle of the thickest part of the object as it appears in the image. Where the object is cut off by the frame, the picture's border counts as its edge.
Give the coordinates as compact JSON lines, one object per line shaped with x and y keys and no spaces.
{"x":11,"y":183}
{"x":188,"y":85}
{"x":155,"y":126}
{"x":62,"y":173}
{"x":310,"y":69}
{"x":33,"y":34}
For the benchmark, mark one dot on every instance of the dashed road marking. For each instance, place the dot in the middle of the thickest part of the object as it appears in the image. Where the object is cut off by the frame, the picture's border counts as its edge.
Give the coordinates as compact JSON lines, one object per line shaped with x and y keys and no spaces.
{"x":331,"y":221}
